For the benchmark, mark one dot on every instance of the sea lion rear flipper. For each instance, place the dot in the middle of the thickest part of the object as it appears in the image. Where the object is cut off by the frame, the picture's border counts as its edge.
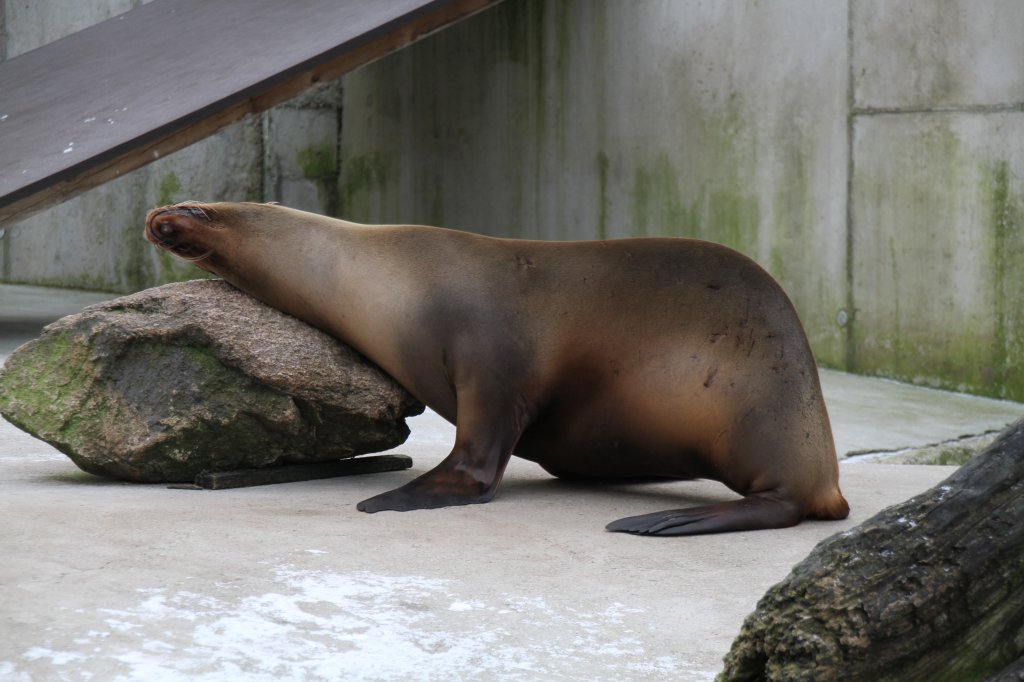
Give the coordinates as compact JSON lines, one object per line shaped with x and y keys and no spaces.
{"x":753,"y":512}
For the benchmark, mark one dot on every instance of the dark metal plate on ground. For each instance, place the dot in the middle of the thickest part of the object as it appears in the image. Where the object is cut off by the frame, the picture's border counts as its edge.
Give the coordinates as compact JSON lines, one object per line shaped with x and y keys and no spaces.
{"x":243,"y":478}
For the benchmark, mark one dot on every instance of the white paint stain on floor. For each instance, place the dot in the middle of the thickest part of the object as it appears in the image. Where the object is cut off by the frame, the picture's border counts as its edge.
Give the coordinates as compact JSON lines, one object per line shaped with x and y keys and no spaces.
{"x":316,"y":625}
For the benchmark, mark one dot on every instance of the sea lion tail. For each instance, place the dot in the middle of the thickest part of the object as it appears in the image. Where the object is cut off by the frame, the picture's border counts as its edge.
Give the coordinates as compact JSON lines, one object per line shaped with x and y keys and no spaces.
{"x":831,"y":506}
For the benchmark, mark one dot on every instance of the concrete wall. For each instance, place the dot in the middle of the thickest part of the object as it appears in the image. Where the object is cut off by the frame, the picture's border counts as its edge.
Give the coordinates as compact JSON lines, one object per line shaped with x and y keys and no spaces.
{"x":869,"y":153}
{"x":94,"y":241}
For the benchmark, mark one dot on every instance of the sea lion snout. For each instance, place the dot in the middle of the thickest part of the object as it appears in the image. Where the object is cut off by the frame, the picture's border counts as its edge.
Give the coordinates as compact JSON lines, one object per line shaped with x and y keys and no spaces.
{"x":169,"y":221}
{"x":178,"y":229}
{"x":166,"y":227}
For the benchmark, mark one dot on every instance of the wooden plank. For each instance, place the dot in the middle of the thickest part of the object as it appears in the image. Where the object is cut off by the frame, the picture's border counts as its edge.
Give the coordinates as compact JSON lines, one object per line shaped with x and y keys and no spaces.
{"x":244,"y":478}
{"x":104,"y":101}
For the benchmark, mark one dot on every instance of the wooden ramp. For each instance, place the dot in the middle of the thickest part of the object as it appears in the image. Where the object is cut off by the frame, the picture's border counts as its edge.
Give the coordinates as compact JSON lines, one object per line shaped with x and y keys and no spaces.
{"x":104,"y":101}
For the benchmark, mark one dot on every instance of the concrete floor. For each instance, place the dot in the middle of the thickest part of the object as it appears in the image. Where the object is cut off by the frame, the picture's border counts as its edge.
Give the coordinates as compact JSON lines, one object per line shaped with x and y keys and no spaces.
{"x":111,"y":581}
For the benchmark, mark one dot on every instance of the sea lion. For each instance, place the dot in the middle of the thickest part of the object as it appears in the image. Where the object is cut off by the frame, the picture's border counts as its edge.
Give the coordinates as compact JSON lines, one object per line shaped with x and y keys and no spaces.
{"x":616,"y":359}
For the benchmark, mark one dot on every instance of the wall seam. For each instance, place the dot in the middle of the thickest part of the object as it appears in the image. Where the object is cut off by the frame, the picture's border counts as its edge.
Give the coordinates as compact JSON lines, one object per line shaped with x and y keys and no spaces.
{"x":850,"y":355}
{"x":3,"y":30}
{"x":264,"y":151}
{"x":339,"y":112}
{"x":5,"y":238}
{"x":1001,"y":108}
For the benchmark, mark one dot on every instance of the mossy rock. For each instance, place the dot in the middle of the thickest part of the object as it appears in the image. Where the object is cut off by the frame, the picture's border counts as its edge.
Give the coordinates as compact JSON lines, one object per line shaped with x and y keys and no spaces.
{"x":197,"y":376}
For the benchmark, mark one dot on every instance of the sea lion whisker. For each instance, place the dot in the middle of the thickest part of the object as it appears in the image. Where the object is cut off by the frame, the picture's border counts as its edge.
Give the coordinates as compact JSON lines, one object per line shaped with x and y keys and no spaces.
{"x":196,"y":259}
{"x":190,"y":203}
{"x":197,"y":212}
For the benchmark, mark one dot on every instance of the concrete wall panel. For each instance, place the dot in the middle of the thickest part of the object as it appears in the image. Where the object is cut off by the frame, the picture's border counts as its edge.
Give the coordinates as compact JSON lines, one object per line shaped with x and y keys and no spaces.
{"x":921,"y":54}
{"x":938,"y":207}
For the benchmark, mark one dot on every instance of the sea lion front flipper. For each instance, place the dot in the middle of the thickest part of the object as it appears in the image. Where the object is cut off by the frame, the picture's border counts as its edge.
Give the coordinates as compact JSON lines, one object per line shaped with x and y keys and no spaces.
{"x":470,"y":474}
{"x":753,"y":512}
{"x":446,"y":485}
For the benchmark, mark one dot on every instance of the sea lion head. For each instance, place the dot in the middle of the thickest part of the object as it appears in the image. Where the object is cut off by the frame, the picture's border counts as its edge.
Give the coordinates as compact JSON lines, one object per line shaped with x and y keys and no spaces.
{"x":214,"y":236}
{"x":186,"y":230}
{"x":266,"y":250}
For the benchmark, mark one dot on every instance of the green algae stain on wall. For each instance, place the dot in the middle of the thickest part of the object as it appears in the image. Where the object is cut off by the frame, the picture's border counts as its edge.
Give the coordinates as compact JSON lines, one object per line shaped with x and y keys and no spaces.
{"x":136,"y":262}
{"x":1006,"y":222}
{"x":733,"y":218}
{"x":939,"y":249}
{"x":563,"y":56}
{"x":523,"y":23}
{"x":365,"y":187}
{"x":792,"y":216}
{"x":170,"y":190}
{"x":319,"y":165}
{"x":798,"y":243}
{"x":722,"y":212}
{"x":602,"y":195}
{"x":656,"y":205}
{"x":166,"y":266}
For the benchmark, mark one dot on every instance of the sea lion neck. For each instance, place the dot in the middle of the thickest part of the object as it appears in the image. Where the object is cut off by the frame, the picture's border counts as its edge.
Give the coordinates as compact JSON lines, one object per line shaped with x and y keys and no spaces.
{"x":338,"y":276}
{"x":289,"y":259}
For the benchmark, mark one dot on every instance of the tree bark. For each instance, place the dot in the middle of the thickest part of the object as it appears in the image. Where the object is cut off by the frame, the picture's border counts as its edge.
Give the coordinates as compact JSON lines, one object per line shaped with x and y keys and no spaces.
{"x":930,"y":589}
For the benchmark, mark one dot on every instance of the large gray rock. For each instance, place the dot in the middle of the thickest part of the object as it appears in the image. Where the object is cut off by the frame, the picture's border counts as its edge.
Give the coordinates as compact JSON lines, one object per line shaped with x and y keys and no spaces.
{"x":198,"y":376}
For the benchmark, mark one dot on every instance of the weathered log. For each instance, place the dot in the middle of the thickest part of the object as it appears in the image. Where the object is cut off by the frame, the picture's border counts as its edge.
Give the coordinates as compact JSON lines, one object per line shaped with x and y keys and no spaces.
{"x":931,"y":589}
